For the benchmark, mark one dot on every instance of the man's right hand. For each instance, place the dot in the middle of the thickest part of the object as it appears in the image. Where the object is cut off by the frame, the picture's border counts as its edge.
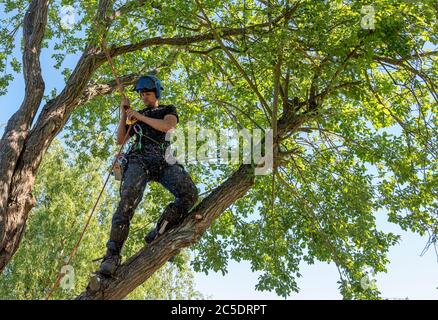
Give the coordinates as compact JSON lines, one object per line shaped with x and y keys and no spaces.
{"x":124,"y":104}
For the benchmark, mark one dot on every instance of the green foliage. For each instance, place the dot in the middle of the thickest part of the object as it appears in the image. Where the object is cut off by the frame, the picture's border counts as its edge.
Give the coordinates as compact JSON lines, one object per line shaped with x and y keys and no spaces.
{"x":371,"y":150}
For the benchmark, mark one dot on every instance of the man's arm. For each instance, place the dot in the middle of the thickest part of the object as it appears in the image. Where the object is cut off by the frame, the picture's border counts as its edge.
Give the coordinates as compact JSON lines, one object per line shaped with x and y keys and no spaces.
{"x":164,"y":125}
{"x":121,"y":131}
{"x":169,"y":122}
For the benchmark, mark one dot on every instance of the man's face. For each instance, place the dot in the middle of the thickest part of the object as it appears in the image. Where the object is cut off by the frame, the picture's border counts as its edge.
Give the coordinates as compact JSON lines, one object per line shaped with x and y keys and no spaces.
{"x":148,"y":98}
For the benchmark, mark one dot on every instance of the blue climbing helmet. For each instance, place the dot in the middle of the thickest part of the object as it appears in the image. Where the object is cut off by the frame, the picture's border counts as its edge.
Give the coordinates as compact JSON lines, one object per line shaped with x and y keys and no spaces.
{"x":149,"y":83}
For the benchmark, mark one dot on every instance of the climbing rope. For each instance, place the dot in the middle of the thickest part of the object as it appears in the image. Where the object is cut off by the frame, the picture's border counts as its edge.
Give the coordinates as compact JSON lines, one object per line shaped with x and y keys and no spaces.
{"x":72,"y":255}
{"x":118,"y":83}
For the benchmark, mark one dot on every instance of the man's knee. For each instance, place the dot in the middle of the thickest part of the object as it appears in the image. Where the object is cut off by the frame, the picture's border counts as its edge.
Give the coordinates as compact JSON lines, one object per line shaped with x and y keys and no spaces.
{"x":186,"y":200}
{"x":125,"y":210}
{"x":129,"y":194}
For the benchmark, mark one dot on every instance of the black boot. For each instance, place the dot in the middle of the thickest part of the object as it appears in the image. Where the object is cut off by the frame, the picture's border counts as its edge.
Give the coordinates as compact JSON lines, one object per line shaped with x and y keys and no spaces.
{"x":151,"y":236}
{"x":160,"y":228}
{"x":168,"y":220}
{"x":110,"y":263}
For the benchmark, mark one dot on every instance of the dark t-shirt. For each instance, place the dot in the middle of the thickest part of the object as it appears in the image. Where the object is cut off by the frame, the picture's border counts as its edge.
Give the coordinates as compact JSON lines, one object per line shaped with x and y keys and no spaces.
{"x":152,"y":140}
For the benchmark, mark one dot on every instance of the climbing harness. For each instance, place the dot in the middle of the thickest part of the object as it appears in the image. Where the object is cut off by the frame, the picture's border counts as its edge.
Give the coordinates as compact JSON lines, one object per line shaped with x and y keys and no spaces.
{"x":139,"y":132}
{"x":121,"y":161}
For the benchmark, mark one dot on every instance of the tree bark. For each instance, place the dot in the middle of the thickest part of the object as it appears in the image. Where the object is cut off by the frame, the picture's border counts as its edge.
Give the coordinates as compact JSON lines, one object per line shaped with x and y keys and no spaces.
{"x":17,"y":131}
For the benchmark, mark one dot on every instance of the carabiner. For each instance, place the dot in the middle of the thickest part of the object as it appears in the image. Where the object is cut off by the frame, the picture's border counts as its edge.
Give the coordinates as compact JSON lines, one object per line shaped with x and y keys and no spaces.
{"x":139,"y":132}
{"x":137,"y":129}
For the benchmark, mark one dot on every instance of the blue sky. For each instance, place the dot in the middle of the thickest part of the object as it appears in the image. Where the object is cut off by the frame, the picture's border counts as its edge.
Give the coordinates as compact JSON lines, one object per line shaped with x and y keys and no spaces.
{"x":409,"y":274}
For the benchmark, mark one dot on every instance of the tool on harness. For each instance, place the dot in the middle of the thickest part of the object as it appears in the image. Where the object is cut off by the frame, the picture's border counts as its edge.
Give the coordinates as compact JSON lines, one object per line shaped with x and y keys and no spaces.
{"x":120,"y":162}
{"x":139,"y":132}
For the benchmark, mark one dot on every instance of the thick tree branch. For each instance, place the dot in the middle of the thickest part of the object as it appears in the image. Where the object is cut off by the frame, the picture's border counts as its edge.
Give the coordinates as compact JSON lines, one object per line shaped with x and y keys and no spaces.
{"x":101,"y":89}
{"x":184,"y":41}
{"x":213,"y":49}
{"x":284,"y":91}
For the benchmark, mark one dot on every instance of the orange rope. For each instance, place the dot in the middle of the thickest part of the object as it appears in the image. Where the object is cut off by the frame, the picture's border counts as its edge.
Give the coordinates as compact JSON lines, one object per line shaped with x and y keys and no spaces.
{"x":72,"y":255}
{"x":119,"y":84}
{"x":110,"y":61}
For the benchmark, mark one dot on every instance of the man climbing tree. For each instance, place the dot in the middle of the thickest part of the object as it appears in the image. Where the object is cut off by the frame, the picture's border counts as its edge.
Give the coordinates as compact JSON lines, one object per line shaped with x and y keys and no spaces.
{"x":145,"y":161}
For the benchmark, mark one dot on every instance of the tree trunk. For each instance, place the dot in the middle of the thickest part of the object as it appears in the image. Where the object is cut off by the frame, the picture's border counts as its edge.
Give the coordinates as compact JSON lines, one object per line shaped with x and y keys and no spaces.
{"x":15,"y":197}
